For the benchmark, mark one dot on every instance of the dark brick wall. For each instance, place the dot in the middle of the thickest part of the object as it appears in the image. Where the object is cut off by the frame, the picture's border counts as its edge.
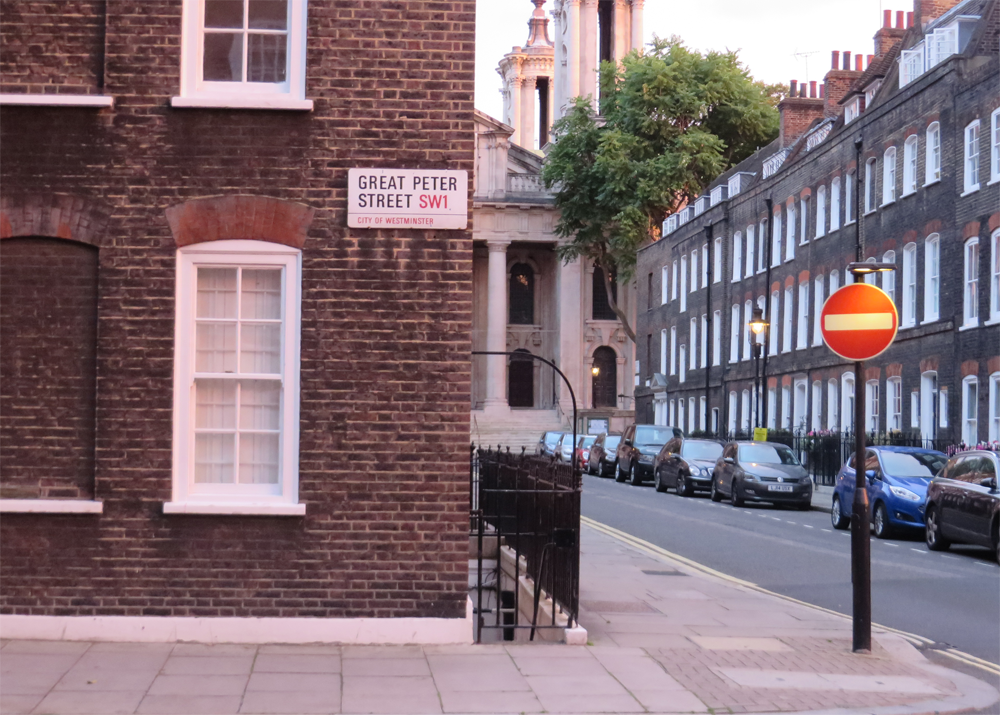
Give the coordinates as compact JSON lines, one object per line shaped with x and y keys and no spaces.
{"x":48,"y":329}
{"x":386,"y":320}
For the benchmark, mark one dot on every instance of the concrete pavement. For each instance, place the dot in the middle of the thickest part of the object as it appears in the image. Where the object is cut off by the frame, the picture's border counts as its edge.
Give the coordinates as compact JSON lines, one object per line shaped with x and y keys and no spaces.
{"x":665,"y":636}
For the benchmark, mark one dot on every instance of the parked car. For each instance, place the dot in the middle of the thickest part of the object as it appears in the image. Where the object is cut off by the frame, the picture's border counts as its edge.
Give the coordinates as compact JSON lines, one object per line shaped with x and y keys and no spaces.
{"x":897,"y":479}
{"x":602,"y":454}
{"x":963,"y":503}
{"x":638,"y":448}
{"x":548,"y":443}
{"x":583,"y":446}
{"x":686,"y":465}
{"x":761,"y":472}
{"x":564,"y":449}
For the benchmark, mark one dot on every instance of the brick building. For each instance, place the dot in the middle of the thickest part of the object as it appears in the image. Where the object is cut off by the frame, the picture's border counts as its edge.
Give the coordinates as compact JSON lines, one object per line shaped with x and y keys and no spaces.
{"x":225,"y":414}
{"x":778,"y":231}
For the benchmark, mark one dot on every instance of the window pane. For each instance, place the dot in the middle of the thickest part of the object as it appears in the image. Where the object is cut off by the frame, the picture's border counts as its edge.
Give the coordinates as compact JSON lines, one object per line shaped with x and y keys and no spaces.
{"x":213,"y":458}
{"x":216,"y":293}
{"x":266,"y":58}
{"x":268,"y":14}
{"x":258,"y":459}
{"x":260,"y":405}
{"x":224,"y":13}
{"x":215,"y":347}
{"x":215,"y":404}
{"x":260,"y":348}
{"x":261,"y":295}
{"x":223,"y":57}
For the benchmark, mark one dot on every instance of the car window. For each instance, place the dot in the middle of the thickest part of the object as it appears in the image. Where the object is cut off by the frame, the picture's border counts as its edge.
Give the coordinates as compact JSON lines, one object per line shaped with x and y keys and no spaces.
{"x":963,"y":469}
{"x":649,"y":435}
{"x":989,"y":469}
{"x":551,"y":438}
{"x":672,"y":447}
{"x":612,"y":441}
{"x":701,"y":450}
{"x":599,"y":442}
{"x":910,"y":464}
{"x":980,"y":468}
{"x":730,"y":452}
{"x":587,"y":440}
{"x":871,"y":463}
{"x":766,"y":454}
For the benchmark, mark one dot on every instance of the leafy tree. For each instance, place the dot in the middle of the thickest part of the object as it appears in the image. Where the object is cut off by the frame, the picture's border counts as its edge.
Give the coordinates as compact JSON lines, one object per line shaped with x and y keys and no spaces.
{"x":671,"y":120}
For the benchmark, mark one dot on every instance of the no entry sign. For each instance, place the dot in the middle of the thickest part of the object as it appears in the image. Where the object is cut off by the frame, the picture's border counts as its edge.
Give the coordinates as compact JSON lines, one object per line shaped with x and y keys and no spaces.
{"x":859,"y":321}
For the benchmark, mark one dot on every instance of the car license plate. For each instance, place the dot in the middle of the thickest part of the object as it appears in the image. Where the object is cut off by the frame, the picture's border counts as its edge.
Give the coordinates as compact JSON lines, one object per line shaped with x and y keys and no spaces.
{"x":779,"y":487}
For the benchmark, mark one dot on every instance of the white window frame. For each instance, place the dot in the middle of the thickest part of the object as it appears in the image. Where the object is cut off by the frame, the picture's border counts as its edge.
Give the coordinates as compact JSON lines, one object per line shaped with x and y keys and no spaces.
{"x":683,"y":364}
{"x":691,"y":415}
{"x":733,"y":417}
{"x":817,"y":310}
{"x":910,"y":165}
{"x":852,"y":110}
{"x":894,"y":404}
{"x":932,"y":278}
{"x":848,"y":394}
{"x":786,"y":407}
{"x":762,"y":243}
{"x":790,"y":232}
{"x":693,"y":356}
{"x":745,"y":411}
{"x":909,"y":296}
{"x":195,"y":92}
{"x":683,"y":290}
{"x":717,"y":261}
{"x":889,"y":176}
{"x":702,"y":404}
{"x":802,"y":329}
{"x":664,"y":285}
{"x":943,"y":407}
{"x":849,"y":208}
{"x":994,"y":278}
{"x":734,"y":338}
{"x":772,"y":408}
{"x":970,"y":283}
{"x":870,"y":167}
{"x":932,"y":154}
{"x":704,"y":339}
{"x":747,"y":314}
{"x":993,"y":427}
{"x":804,"y":220}
{"x":673,"y":350}
{"x":832,"y":405}
{"x":970,"y":404}
{"x":776,"y":241}
{"x":663,"y":351}
{"x":236,"y":498}
{"x":971,"y":153}
{"x":914,"y":409}
{"x":834,"y":281}
{"x":704,"y":265}
{"x":835,"y":204}
{"x":889,"y":277}
{"x":821,"y":212}
{"x":694,"y":270}
{"x":995,"y":146}
{"x":871,"y":406}
{"x":737,"y":256}
{"x":749,"y":250}
{"x":772,"y":319}
{"x":716,"y":337}
{"x":673,"y":281}
{"x":817,"y":405}
{"x":786,"y":325}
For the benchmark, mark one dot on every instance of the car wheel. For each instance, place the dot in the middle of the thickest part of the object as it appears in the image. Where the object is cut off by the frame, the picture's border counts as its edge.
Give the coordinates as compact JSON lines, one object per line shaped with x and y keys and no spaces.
{"x":633,"y":476}
{"x":716,"y":495}
{"x":658,"y":481}
{"x":932,"y":531}
{"x":734,"y":496}
{"x":683,"y":489}
{"x":882,"y":526}
{"x":619,"y":474}
{"x":837,"y":515}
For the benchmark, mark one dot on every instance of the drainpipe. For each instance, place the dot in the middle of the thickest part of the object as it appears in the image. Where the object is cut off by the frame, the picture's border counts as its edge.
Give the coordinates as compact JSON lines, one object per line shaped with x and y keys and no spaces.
{"x":765,"y":348}
{"x":708,"y":325}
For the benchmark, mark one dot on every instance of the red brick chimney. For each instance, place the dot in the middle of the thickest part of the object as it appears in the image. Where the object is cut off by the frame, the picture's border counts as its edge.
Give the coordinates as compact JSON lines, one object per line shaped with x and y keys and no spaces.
{"x":888,"y":36}
{"x":838,"y":83}
{"x":927,"y":10}
{"x":798,"y":111}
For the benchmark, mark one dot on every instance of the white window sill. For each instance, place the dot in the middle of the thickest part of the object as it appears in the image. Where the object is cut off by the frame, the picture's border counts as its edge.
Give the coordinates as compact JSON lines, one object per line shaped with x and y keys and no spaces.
{"x":928,"y":321}
{"x":932,"y":182}
{"x":804,"y":242}
{"x":58,"y":100}
{"x":994,"y":180}
{"x":819,"y":236}
{"x":906,"y":326}
{"x":887,"y":203}
{"x":234,"y":508}
{"x":969,"y":326}
{"x":242,"y":101}
{"x":50,"y":506}
{"x":993,"y":321}
{"x":868,"y":213}
{"x":789,"y":259}
{"x":909,"y":193}
{"x":969,"y":192}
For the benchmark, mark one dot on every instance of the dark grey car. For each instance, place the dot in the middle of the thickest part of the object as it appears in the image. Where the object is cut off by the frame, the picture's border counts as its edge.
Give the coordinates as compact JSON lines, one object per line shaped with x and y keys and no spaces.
{"x":963,"y":503}
{"x":602,"y":454}
{"x":686,"y":465}
{"x":761,"y":472}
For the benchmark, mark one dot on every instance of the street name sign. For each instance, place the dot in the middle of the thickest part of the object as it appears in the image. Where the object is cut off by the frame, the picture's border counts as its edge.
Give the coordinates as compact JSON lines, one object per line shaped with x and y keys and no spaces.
{"x":859,"y":321}
{"x":407,"y":198}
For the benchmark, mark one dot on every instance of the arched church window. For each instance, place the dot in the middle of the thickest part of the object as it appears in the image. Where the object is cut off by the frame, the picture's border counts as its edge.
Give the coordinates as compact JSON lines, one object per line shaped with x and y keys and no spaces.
{"x":521,"y":380}
{"x":522,"y":295}
{"x":605,"y":377}
{"x":601,"y":310}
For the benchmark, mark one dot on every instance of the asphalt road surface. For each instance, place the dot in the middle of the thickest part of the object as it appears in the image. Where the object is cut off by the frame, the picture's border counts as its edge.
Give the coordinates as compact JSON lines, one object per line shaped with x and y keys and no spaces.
{"x":952,"y":598}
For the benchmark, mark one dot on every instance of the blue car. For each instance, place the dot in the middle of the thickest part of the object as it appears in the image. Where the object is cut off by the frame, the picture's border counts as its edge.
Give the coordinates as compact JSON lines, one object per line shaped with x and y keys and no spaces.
{"x":897,"y":479}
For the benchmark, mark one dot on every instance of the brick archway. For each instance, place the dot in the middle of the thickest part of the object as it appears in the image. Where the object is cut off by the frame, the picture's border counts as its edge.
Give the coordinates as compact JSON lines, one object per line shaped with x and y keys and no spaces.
{"x":74,"y":218}
{"x":256,"y":218}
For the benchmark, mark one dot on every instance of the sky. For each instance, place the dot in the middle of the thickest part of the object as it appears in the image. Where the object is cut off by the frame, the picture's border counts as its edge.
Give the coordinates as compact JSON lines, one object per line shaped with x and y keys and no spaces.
{"x":778,"y":41}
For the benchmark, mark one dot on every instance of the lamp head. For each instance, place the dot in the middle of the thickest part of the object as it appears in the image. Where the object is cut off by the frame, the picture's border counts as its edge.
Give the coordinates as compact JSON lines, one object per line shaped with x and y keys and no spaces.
{"x":757,"y":322}
{"x":595,"y":371}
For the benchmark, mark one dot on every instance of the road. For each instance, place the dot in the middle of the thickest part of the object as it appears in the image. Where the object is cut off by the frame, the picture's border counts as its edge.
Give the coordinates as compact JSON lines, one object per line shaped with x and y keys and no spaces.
{"x":952,"y":598}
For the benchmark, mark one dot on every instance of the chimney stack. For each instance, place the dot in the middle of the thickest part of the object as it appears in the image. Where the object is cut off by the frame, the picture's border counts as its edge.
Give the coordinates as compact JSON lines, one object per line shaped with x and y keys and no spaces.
{"x":798,"y":111}
{"x":927,"y":10}
{"x":838,"y":81}
{"x":888,"y":36}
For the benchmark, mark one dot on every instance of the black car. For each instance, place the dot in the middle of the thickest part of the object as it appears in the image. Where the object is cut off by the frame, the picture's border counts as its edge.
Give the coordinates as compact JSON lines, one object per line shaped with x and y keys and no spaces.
{"x":963,"y":503}
{"x":602,"y":454}
{"x":686,"y":465}
{"x":639,"y":446}
{"x":761,"y":471}
{"x":548,"y":443}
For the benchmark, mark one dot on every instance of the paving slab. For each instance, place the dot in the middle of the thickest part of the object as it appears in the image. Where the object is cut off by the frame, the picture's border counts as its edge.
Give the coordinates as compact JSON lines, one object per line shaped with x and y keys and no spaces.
{"x":208,"y":665}
{"x":291,"y":703}
{"x":294,"y":682}
{"x":18,"y":704}
{"x":297,"y":663}
{"x":104,"y":703}
{"x":199,"y":685}
{"x":496,"y":702}
{"x":88,"y":678}
{"x":190,"y":704}
{"x":386,"y":666}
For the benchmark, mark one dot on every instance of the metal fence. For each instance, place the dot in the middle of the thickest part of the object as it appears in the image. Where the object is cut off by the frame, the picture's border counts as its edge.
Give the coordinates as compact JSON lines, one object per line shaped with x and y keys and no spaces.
{"x":525,"y":518}
{"x":824,"y":453}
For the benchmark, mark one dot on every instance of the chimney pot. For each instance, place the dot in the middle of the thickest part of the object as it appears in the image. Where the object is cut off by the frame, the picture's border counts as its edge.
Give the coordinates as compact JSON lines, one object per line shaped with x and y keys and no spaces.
{"x":899,"y":19}
{"x":887,"y":18}
{"x":802,"y":90}
{"x":858,"y":59}
{"x":836,"y":59}
{"x":793,"y":87}
{"x":812,"y":89}
{"x":822,"y":90}
{"x":909,"y":19}
{"x":847,"y":61}
{"x":869,"y":62}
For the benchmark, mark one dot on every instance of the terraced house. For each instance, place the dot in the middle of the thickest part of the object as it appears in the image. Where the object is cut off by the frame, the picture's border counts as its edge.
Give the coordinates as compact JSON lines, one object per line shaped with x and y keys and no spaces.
{"x":899,"y":150}
{"x":228,"y":412}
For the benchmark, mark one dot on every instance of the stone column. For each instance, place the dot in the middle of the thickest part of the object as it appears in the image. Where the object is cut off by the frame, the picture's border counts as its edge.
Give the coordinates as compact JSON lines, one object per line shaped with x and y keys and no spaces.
{"x":623,"y":33}
{"x":570,"y":297}
{"x":515,"y":108}
{"x":637,"y":24}
{"x":588,"y":49}
{"x":528,"y":110}
{"x":572,"y":88}
{"x":496,"y":327}
{"x":552,"y":107}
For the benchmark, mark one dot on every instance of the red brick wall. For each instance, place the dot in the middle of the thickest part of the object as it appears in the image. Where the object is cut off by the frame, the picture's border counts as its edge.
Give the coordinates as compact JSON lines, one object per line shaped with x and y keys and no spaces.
{"x":48,"y":329}
{"x":386,"y":320}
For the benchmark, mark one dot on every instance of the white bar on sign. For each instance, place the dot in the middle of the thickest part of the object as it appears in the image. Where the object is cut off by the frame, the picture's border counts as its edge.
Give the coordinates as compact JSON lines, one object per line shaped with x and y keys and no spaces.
{"x":858,"y":321}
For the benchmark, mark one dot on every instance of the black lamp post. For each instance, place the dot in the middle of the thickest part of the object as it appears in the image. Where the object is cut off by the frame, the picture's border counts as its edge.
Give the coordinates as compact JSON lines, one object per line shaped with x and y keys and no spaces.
{"x":757,"y":325}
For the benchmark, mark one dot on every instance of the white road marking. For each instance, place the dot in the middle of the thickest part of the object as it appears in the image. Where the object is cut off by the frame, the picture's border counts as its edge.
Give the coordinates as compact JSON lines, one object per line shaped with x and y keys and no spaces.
{"x":895,"y":546}
{"x":776,"y":518}
{"x":792,"y":522}
{"x":809,"y":527}
{"x":980,"y":563}
{"x":827,"y":531}
{"x":946,"y":556}
{"x":919,"y":551}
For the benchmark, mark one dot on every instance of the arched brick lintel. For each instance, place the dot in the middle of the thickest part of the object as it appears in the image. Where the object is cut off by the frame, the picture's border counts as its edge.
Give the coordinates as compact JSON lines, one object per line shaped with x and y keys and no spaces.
{"x":970,"y":367}
{"x":255,"y":218}
{"x":74,"y":218}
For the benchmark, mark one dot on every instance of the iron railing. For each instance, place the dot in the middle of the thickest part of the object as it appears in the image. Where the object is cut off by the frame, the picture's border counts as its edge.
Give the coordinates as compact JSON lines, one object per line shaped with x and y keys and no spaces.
{"x":529,"y":508}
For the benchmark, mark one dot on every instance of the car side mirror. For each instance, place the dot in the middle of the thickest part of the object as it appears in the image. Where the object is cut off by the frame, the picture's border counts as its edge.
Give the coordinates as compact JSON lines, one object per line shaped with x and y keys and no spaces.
{"x":729,"y":460}
{"x":871,"y":474}
{"x":628,"y":443}
{"x":989,"y":482}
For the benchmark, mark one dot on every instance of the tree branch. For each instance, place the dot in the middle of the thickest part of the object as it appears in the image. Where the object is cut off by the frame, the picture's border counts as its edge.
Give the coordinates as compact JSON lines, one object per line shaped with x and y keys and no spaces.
{"x":612,"y":302}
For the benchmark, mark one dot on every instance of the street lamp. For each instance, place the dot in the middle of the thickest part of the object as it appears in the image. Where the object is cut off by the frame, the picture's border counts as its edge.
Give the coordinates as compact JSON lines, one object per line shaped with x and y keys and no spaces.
{"x":757,"y":325}
{"x":863,"y":269}
{"x":595,"y":371}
